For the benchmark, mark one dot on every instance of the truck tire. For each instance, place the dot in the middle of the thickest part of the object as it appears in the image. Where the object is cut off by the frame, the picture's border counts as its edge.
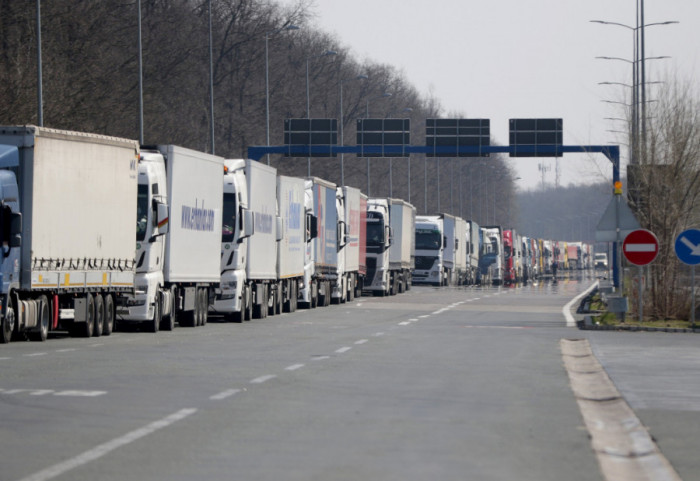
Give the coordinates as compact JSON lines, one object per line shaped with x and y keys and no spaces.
{"x":43,"y":319}
{"x":8,"y":325}
{"x":108,"y":326}
{"x":261,"y":299}
{"x":85,"y":329}
{"x":168,"y":322}
{"x":248,"y":304}
{"x":205,"y":306}
{"x":154,"y":324}
{"x":99,"y":315}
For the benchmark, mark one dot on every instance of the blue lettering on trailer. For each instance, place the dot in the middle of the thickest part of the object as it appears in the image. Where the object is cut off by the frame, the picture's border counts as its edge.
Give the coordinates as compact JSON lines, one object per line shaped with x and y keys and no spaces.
{"x":197,"y":218}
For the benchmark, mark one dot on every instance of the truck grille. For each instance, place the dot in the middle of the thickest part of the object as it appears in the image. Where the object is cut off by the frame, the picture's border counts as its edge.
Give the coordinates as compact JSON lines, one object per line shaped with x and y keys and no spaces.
{"x":425,"y":262}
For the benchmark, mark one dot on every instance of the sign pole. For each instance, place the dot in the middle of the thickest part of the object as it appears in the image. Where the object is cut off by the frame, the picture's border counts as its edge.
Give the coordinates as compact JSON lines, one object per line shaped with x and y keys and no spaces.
{"x":692,"y":297}
{"x":640,"y":270}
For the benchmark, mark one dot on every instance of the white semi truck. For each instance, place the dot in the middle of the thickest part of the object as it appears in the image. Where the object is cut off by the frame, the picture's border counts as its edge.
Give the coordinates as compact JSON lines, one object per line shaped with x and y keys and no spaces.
{"x":351,"y":205}
{"x":178,"y":238}
{"x":473,"y":247}
{"x":493,"y":261}
{"x":321,"y":258}
{"x":390,"y":245}
{"x":440,"y":250}
{"x":68,"y":220}
{"x":249,"y":244}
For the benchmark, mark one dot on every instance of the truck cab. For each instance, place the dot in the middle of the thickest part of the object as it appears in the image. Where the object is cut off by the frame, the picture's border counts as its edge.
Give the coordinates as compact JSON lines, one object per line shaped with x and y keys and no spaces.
{"x":379,"y":240}
{"x":149,"y":303}
{"x":430,"y":247}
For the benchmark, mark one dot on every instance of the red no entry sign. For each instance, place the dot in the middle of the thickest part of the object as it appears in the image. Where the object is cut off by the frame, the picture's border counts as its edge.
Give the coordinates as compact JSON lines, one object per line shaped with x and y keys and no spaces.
{"x":640,"y":247}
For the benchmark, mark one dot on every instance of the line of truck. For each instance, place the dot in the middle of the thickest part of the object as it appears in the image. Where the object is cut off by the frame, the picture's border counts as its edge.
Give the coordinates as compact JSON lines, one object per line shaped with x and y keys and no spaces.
{"x":99,"y":232}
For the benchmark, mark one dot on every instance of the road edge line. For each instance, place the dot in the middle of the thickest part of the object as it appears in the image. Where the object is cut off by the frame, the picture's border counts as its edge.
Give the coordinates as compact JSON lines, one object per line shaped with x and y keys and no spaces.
{"x":566,"y":310}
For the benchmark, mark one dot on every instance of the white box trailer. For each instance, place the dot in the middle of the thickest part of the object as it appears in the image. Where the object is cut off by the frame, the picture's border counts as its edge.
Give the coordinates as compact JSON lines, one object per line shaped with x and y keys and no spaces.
{"x":291,"y":246}
{"x":473,"y":248}
{"x":352,"y":265}
{"x":321,"y":259}
{"x":402,"y":220}
{"x":69,"y":220}
{"x":179,"y":238}
{"x":460,"y":269}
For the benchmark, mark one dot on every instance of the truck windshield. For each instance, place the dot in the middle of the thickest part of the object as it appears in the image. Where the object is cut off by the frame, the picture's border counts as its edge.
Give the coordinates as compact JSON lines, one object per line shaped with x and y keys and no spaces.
{"x":375,"y":230}
{"x":228,"y":225}
{"x":428,"y":239}
{"x":142,"y":212}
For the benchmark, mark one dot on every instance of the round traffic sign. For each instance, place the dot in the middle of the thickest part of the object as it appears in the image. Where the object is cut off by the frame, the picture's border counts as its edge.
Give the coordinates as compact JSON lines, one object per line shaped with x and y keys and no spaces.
{"x":640,"y":247}
{"x":688,"y":247}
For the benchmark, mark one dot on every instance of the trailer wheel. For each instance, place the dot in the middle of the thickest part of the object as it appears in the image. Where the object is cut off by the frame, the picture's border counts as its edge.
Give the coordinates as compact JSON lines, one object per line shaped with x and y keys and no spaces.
{"x":108,"y":325}
{"x":204,"y":306}
{"x":99,"y":315}
{"x":85,"y":329}
{"x":43,"y":318}
{"x":8,"y":325}
{"x":261,"y":298}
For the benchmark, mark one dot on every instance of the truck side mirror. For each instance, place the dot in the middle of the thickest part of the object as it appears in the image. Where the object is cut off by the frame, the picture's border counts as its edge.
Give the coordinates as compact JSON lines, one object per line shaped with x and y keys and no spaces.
{"x":389,"y":236}
{"x":444,"y":241}
{"x":280,"y":229}
{"x":163,"y":218}
{"x":248,"y":224}
{"x":341,"y":234}
{"x":311,"y":226}
{"x":15,"y":229}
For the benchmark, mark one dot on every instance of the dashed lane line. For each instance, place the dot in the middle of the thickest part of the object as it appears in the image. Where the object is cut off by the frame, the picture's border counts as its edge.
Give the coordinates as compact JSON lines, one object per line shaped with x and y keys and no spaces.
{"x":106,"y":448}
{"x":343,"y":349}
{"x":361,"y":341}
{"x":262,"y":379}
{"x":294,"y":367}
{"x":224,"y":394}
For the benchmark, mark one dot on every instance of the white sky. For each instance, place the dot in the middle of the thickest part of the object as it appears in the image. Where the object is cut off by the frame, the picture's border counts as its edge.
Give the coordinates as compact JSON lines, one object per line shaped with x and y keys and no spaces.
{"x":502,"y":59}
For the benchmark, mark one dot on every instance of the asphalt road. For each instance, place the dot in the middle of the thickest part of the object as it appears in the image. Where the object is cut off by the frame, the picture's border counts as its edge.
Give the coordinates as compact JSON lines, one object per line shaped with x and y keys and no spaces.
{"x":451,"y":383}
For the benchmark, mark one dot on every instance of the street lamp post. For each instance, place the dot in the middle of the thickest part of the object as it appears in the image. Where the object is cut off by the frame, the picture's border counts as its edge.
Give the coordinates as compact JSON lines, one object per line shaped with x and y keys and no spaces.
{"x":327,"y":53}
{"x":267,"y":81}
{"x":342,"y":122}
{"x":638,"y":77}
{"x":382,"y":96}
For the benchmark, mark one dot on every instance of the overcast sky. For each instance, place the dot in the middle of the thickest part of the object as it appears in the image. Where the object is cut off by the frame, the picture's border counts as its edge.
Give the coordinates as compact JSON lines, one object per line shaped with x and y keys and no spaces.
{"x":502,"y":59}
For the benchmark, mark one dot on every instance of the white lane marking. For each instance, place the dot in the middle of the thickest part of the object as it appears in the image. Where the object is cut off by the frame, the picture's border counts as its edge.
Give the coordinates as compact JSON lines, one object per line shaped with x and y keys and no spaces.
{"x":35,"y":354}
{"x":70,"y":349}
{"x":361,"y":341}
{"x":5,"y":358}
{"x":262,"y":379}
{"x":294,"y":367}
{"x":224,"y":394}
{"x":97,"y":345}
{"x":413,"y":320}
{"x":566,"y":310}
{"x":343,"y":349}
{"x":424,"y":316}
{"x":320,"y":358}
{"x":103,"y":449}
{"x":80,"y":393}
{"x":41,"y":392}
{"x":405,"y":323}
{"x":378,"y":334}
{"x":359,"y":304}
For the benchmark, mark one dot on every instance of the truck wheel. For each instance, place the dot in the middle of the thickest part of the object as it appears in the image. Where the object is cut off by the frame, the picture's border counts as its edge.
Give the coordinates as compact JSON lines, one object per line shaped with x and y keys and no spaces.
{"x":99,"y":316}
{"x":108,"y":325}
{"x":168,"y":322}
{"x":8,"y":325}
{"x":278,"y":299}
{"x":205,"y":306}
{"x":261,"y":298}
{"x":248,"y":304}
{"x":272,"y":300}
{"x":85,"y":329}
{"x":43,"y":317}
{"x":289,"y":292}
{"x":154,"y":324}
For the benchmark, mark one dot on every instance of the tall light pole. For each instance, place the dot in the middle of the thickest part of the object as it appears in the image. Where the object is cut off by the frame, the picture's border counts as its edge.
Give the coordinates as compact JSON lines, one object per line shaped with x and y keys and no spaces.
{"x":391,"y":180}
{"x":382,"y":96}
{"x":638,"y":63}
{"x":39,"y":82}
{"x":327,"y":53}
{"x":342,"y":122}
{"x":267,"y":80}
{"x":211,"y":84}
{"x":138,"y":6}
